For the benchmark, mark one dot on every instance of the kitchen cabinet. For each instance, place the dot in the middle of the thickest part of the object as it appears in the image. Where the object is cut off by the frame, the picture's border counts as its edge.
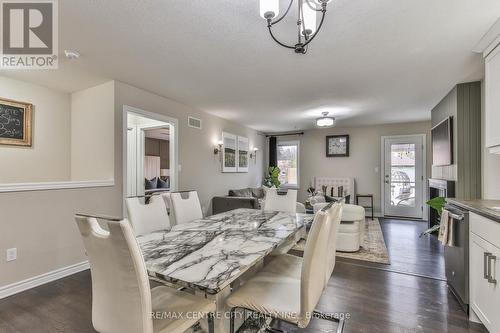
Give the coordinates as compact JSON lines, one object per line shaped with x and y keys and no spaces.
{"x":492,"y":99}
{"x":484,"y":271}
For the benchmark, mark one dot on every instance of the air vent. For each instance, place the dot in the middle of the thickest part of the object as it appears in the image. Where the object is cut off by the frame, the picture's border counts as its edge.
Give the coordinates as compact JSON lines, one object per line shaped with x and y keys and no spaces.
{"x":194,"y":122}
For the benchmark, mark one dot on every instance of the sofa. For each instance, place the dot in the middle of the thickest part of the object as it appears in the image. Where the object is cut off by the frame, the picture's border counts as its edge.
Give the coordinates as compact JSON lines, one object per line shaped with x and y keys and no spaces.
{"x":242,"y":198}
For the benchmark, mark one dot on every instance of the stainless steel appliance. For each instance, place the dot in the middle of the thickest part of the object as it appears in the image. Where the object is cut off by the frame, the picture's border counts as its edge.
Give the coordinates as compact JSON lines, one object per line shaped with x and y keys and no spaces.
{"x":457,"y":257}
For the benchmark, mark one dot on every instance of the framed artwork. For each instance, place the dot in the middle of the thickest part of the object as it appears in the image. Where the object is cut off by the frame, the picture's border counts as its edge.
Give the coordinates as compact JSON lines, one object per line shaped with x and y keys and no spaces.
{"x":243,"y":154}
{"x":337,"y":146}
{"x":229,"y":152}
{"x":15,"y":123}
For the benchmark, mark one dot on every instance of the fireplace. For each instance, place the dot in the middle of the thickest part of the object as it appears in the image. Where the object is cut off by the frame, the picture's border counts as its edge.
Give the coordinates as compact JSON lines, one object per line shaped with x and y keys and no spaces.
{"x":439,"y":188}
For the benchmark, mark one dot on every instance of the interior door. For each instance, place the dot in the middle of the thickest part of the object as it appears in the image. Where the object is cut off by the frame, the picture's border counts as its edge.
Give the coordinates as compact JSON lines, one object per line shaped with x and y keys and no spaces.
{"x":403,"y":176}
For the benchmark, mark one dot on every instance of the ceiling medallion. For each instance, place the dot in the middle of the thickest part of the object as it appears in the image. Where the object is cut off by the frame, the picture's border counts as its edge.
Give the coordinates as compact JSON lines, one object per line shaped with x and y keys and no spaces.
{"x":325,"y":120}
{"x":306,"y":20}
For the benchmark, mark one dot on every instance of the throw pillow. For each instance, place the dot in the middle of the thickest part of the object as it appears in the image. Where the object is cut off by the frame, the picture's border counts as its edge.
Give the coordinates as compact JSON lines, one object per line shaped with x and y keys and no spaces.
{"x":163,"y":183}
{"x":330,"y":199}
{"x":258,"y":192}
{"x":150,"y":184}
{"x":244,"y":192}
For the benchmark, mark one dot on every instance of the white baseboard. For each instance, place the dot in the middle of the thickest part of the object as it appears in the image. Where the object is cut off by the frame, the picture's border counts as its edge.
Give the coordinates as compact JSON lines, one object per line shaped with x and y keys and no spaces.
{"x":17,"y":287}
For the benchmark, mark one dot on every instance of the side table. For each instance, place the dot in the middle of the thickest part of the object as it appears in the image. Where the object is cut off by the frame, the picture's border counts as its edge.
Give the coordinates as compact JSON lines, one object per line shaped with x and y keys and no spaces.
{"x":366,"y":196}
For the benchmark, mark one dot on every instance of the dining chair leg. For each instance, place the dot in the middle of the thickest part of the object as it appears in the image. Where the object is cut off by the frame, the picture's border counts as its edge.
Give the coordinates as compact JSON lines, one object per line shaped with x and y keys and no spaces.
{"x":330,"y":317}
{"x":231,"y":320}
{"x":210,"y":320}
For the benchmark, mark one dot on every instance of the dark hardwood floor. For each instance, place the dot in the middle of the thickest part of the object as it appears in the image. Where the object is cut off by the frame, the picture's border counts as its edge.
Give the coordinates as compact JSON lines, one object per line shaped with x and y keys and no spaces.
{"x":408,"y":252}
{"x":411,"y":254}
{"x":376,"y":299}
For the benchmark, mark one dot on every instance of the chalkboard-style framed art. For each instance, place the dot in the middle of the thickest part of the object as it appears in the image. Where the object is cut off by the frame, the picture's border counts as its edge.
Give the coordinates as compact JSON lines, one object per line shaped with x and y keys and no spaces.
{"x":15,"y":123}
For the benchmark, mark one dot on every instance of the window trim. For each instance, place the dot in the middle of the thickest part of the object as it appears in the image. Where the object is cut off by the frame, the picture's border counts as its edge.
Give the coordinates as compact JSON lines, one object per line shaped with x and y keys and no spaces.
{"x":290,"y":143}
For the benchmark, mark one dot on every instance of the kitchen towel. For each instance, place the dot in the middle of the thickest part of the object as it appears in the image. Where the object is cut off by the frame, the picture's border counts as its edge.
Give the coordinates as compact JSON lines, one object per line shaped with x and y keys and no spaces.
{"x":446,"y":236}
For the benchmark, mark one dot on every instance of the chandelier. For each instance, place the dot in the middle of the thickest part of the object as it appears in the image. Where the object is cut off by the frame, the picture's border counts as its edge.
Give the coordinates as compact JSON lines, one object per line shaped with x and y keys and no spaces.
{"x":307,"y":27}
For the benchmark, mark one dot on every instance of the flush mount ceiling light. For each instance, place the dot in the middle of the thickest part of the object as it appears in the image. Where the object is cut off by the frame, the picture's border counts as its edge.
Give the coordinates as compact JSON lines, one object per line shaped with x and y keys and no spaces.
{"x":307,"y":29}
{"x":325,"y":121}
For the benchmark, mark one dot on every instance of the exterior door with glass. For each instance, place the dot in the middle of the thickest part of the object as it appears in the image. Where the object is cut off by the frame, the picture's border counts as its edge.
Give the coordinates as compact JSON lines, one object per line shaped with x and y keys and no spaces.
{"x":403,"y":176}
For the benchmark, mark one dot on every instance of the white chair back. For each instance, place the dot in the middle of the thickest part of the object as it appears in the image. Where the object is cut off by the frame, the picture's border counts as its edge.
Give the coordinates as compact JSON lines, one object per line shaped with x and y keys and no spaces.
{"x":314,"y":265}
{"x":121,"y":298}
{"x":281,"y":203}
{"x":186,"y":210}
{"x":335,"y":213}
{"x":300,"y":208}
{"x":168,"y":202}
{"x":148,"y":218}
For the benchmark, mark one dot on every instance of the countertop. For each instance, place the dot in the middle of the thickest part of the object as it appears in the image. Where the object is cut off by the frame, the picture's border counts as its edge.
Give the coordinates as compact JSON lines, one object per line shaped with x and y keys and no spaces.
{"x":479,"y":206}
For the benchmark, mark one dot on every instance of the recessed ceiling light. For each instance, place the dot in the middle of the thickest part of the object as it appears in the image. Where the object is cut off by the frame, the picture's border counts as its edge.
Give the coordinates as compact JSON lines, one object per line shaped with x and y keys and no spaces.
{"x":71,"y":54}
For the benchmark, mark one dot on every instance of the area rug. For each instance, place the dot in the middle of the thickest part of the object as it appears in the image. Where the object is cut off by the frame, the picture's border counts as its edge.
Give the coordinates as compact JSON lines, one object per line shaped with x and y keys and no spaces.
{"x":373,"y":248}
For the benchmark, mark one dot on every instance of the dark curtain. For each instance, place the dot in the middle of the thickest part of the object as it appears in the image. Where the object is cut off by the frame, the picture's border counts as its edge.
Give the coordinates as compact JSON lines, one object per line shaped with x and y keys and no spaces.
{"x":273,"y":151}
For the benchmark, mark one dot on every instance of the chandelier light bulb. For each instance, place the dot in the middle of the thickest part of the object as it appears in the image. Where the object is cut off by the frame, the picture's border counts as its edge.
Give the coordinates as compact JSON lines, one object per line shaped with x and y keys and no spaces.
{"x":269,"y":9}
{"x":310,"y":16}
{"x":306,"y":18}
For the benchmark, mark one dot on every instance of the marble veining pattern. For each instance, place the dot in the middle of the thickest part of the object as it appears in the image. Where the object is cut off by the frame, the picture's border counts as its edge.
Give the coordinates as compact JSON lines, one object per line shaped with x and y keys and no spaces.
{"x":212,"y":252}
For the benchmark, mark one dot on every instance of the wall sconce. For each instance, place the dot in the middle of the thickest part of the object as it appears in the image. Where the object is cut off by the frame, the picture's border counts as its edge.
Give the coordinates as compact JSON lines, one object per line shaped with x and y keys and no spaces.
{"x":254,"y":154}
{"x":218,"y":148}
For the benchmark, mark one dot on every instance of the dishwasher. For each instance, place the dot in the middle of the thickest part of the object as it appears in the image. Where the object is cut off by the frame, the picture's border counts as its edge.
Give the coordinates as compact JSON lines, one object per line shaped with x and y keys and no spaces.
{"x":456,"y":257}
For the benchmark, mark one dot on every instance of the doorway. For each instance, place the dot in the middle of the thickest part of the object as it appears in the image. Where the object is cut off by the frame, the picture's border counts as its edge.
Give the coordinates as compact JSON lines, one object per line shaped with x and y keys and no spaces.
{"x":403,"y":159}
{"x":150,"y":153}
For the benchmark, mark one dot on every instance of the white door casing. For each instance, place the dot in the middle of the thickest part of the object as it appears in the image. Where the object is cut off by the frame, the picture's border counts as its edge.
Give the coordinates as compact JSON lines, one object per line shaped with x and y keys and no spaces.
{"x":174,"y":166}
{"x":403,"y":176}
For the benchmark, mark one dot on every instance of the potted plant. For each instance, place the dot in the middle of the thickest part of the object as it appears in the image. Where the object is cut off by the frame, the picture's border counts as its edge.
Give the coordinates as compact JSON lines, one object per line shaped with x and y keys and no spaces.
{"x":271,"y":179}
{"x":438,"y":205}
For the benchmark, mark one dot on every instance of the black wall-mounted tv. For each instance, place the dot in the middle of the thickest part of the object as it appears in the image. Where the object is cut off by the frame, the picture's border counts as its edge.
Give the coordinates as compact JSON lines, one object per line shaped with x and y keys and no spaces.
{"x":442,"y":143}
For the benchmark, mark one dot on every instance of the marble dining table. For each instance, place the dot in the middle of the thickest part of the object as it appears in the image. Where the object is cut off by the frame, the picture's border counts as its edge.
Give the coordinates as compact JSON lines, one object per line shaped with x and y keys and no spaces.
{"x":210,"y":254}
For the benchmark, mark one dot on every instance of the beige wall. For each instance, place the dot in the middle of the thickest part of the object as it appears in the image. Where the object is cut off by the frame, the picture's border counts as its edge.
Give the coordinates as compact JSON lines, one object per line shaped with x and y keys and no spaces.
{"x":365,"y":151}
{"x":92,"y":133}
{"x":49,"y":157}
{"x":41,"y":225}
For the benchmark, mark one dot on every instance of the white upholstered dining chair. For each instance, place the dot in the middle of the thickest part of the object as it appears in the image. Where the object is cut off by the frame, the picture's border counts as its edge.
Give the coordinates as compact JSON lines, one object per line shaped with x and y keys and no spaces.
{"x":352,"y":229}
{"x":300,"y":208}
{"x":186,"y":209}
{"x":122,"y":301}
{"x":281,"y":202}
{"x":147,"y":218}
{"x":288,"y":288}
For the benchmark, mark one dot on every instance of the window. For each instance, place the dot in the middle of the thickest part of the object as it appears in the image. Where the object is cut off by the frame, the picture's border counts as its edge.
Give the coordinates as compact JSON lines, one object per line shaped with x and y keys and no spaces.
{"x":288,"y":162}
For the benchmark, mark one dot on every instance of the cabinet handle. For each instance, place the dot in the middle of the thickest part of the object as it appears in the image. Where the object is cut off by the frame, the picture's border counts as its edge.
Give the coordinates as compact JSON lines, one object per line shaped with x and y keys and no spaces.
{"x":490,"y":278}
{"x":485,"y":265}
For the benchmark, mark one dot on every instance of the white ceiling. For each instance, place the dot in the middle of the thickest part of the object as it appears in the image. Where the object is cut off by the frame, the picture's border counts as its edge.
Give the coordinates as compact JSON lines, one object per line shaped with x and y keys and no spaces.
{"x":375,"y":61}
